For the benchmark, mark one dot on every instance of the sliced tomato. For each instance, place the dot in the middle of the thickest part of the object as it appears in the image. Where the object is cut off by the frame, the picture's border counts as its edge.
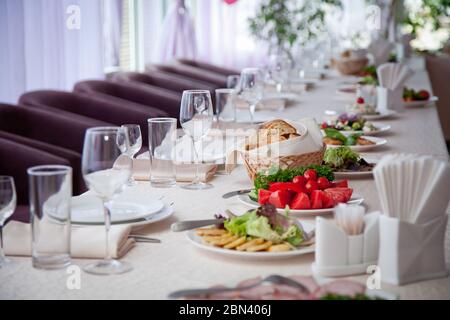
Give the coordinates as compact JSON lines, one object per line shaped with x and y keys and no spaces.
{"x":323,"y":183}
{"x":327,"y":201}
{"x":340,"y":184}
{"x":300,"y":180}
{"x":311,"y":185}
{"x":280,"y":198}
{"x":263,"y":196}
{"x":340,"y":195}
{"x":300,"y":201}
{"x":316,"y":199}
{"x":310,"y":174}
{"x":275,"y":186}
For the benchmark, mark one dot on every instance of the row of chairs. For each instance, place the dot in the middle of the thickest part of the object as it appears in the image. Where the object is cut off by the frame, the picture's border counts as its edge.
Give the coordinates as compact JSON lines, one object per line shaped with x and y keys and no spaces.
{"x":48,"y":126}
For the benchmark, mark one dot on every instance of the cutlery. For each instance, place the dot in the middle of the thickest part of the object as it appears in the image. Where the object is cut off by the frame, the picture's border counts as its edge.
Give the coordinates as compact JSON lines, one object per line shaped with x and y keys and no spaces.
{"x":192,"y":224}
{"x":275,"y":279}
{"x":138,"y":238}
{"x":235,"y":193}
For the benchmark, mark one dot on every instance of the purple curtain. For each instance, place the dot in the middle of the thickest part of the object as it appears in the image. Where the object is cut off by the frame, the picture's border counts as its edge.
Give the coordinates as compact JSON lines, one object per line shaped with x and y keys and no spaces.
{"x":177,"y":39}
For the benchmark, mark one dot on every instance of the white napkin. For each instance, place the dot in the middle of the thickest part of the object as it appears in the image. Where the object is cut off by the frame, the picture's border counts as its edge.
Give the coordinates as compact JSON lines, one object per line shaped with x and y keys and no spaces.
{"x":393,"y":75}
{"x":86,"y":242}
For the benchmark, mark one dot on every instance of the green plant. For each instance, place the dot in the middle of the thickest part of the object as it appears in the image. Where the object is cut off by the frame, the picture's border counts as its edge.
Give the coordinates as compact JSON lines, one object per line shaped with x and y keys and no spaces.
{"x":283,"y":23}
{"x":430,"y":12}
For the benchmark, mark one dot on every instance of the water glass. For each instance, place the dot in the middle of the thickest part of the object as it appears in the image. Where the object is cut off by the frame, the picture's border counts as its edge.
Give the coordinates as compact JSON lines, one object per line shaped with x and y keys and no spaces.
{"x":129,"y":140}
{"x":233,"y":81}
{"x":251,"y":88}
{"x":225,"y":109}
{"x":7,"y":206}
{"x":50,"y":189}
{"x":162,"y":136}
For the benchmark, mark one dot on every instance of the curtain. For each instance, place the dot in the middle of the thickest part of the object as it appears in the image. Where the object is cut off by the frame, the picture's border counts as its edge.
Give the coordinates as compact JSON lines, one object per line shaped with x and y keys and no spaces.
{"x":177,"y":39}
{"x":50,"y":44}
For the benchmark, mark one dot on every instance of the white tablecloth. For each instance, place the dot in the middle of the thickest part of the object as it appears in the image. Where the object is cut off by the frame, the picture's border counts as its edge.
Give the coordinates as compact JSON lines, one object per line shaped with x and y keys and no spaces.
{"x":175,"y":264}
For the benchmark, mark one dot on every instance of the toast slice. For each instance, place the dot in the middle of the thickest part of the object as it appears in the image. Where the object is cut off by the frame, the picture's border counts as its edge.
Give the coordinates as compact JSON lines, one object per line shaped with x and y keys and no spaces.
{"x":283,"y":128}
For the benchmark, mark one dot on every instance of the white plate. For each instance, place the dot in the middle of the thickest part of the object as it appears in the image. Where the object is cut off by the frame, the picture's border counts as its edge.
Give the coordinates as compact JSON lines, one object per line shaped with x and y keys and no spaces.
{"x":378,"y":142}
{"x":198,"y":242}
{"x":356,"y":199}
{"x":416,"y":104}
{"x":381,"y":128}
{"x":381,"y":115}
{"x":88,"y":209}
{"x":350,"y":175}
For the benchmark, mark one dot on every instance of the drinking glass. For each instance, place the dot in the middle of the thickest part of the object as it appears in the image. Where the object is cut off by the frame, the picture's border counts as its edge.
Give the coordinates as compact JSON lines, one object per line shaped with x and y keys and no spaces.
{"x":105,"y":171}
{"x":196,"y":118}
{"x":251,"y":88}
{"x":233,"y":81}
{"x":50,"y":189}
{"x":225,"y":109}
{"x":162,"y":135}
{"x":129,"y":141}
{"x":279,"y":67}
{"x":7,"y":207}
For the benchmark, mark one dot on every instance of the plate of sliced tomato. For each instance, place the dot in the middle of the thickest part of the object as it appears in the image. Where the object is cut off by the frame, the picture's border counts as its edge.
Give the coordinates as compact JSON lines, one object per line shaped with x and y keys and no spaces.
{"x":307,"y":194}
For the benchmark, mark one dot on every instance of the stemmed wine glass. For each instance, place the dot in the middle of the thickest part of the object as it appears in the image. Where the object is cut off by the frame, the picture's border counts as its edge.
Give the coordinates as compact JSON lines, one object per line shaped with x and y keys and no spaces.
{"x":130,"y":142}
{"x":105,"y":171}
{"x":7,"y":207}
{"x":251,"y":88}
{"x":196,"y":118}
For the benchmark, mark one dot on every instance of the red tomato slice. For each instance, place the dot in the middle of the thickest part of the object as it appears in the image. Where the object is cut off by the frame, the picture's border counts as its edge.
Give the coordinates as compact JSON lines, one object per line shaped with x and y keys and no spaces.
{"x":300,"y":201}
{"x":263,"y":196}
{"x":341,"y":184}
{"x":311,"y":185}
{"x":340,"y":195}
{"x":327,"y":201}
{"x":275,"y":186}
{"x":280,"y":198}
{"x":316,"y":199}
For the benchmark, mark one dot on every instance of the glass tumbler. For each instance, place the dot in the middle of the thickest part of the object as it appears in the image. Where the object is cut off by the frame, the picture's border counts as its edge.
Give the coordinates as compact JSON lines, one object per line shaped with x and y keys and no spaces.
{"x":162,"y":136}
{"x":50,"y":190}
{"x":225,"y":109}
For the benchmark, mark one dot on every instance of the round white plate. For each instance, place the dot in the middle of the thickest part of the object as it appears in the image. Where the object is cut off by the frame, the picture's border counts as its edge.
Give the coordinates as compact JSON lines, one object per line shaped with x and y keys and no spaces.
{"x":378,"y":142}
{"x":381,"y":128}
{"x":381,"y":115}
{"x":350,"y":175}
{"x":355,"y":199}
{"x":417,"y":104}
{"x":88,"y":209}
{"x":263,"y":255}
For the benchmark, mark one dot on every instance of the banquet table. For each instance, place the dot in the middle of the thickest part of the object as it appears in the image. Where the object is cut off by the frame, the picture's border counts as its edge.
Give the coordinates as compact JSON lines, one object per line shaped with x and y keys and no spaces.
{"x":176,"y":264}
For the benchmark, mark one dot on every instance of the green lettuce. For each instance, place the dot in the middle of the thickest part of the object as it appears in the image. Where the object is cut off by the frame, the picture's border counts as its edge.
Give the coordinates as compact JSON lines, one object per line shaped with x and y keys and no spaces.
{"x":238,"y":225}
{"x":337,"y":157}
{"x":261,"y":228}
{"x":293,"y":235}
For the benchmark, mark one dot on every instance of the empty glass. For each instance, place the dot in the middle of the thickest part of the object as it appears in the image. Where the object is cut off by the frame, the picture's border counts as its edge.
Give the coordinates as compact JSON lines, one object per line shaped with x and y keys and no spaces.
{"x":251,"y":87}
{"x":225,"y":108}
{"x":233,"y":81}
{"x":162,"y":135}
{"x":129,"y":141}
{"x":7,"y":207}
{"x":279,"y":68}
{"x":196,"y":118}
{"x":50,"y":197}
{"x":105,"y":171}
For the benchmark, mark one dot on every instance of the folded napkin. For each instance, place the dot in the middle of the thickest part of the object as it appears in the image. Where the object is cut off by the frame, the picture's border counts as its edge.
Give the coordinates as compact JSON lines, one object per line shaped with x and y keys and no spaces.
{"x":86,"y":242}
{"x":184,"y":172}
{"x":273,"y":104}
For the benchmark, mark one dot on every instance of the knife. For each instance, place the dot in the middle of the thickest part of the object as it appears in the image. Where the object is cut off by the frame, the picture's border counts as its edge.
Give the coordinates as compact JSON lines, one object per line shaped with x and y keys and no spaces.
{"x":192,"y":224}
{"x":235,"y":193}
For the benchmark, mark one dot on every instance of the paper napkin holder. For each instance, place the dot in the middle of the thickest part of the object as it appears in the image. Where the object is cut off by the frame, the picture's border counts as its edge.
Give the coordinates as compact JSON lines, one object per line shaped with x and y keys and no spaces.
{"x":388,"y":99}
{"x":339,"y":254}
{"x":411,"y":252}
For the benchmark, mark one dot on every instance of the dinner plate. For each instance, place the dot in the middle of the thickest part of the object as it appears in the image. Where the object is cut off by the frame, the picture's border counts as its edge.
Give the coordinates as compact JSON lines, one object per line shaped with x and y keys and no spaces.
{"x":380,"y":115}
{"x":350,"y":175}
{"x":378,"y":142}
{"x":381,"y":128}
{"x":88,"y":209}
{"x":263,"y":255}
{"x":422,"y":103}
{"x":355,"y":199}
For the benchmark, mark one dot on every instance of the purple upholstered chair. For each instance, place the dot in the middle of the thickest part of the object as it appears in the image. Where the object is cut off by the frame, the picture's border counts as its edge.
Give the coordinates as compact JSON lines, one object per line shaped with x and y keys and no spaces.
{"x":211,"y":77}
{"x":105,"y":109}
{"x":208,"y":67}
{"x":161,"y":102}
{"x":15,"y":159}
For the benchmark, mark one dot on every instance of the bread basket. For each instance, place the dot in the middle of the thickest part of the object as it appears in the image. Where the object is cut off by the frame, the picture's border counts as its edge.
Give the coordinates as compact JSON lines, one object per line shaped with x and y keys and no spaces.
{"x":351,"y":66}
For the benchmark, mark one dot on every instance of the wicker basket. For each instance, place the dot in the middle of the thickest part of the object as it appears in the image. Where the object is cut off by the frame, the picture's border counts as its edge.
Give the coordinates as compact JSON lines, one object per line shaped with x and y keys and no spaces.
{"x":351,"y":66}
{"x":256,"y":164}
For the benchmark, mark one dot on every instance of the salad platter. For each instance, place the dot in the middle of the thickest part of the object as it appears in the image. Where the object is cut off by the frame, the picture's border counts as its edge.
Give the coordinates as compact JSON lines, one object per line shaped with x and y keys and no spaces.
{"x":334,"y":138}
{"x":417,"y":98}
{"x":305,"y":191}
{"x":262,"y":233}
{"x":347,"y":163}
{"x":353,"y":123}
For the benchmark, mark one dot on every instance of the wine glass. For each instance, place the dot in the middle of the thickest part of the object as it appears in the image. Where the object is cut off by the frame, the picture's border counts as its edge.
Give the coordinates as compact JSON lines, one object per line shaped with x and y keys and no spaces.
{"x":251,"y":88}
{"x":233,"y":81}
{"x":129,"y":141}
{"x":196,"y":118}
{"x":105,"y":171}
{"x":279,"y":67}
{"x":7,"y":207}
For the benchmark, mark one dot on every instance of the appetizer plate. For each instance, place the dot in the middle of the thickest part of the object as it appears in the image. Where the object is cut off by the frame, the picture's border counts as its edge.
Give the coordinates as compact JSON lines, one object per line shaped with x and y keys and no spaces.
{"x":377,"y":143}
{"x":381,"y":128}
{"x":381,"y":115}
{"x":354,"y":174}
{"x":420,"y":103}
{"x":262,"y":255}
{"x":356,"y":199}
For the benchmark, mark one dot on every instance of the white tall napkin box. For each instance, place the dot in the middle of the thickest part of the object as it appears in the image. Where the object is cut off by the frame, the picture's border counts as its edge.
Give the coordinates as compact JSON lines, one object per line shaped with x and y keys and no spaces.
{"x":388,"y":99}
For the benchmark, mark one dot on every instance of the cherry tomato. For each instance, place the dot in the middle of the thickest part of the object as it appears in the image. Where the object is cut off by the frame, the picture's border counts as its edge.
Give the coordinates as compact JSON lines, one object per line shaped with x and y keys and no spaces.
{"x":300,"y":180}
{"x":310,"y":174}
{"x":311,"y":185}
{"x":323,"y":183}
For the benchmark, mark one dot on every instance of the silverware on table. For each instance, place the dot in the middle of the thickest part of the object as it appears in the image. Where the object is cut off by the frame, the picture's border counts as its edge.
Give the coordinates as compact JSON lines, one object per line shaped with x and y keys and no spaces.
{"x":192,"y":224}
{"x":235,"y":193}
{"x":275,"y":279}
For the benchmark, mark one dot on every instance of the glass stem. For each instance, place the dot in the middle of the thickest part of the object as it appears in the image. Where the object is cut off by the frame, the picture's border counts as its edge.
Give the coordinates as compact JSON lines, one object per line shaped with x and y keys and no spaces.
{"x":131,"y":179}
{"x":2,"y":254}
{"x":197,"y":164}
{"x":107,"y":226}
{"x":252,"y":112}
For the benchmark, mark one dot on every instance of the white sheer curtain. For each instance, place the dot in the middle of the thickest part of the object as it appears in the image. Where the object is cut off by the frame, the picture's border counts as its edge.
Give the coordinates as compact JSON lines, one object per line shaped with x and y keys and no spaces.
{"x":41,"y":48}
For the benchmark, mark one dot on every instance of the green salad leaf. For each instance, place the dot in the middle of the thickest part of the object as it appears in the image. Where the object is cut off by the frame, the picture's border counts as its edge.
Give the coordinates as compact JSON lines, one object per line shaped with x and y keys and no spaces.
{"x":293,"y":235}
{"x":238,"y":225}
{"x":335,"y":134}
{"x":337,"y":157}
{"x":260,"y":228}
